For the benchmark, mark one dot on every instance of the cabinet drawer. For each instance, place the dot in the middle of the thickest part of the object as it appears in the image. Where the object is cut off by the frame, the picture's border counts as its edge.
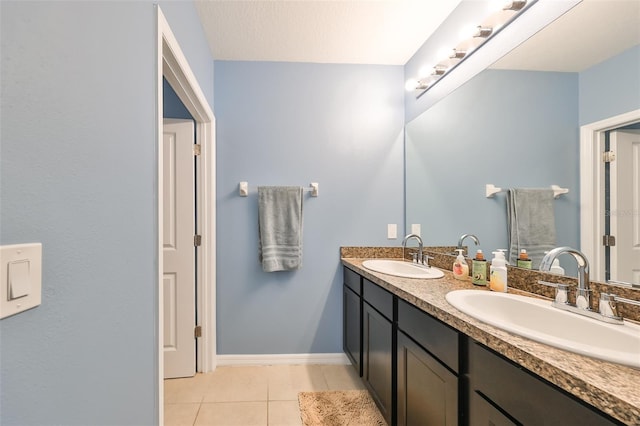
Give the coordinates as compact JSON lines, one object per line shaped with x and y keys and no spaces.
{"x":482,"y":413}
{"x":526,"y":398}
{"x":430,"y":333}
{"x":378,"y":297}
{"x":352,"y":280}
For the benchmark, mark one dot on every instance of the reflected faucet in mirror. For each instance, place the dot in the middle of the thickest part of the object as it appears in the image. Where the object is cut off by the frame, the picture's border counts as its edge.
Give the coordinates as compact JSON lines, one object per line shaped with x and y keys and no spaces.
{"x":462,"y":238}
{"x":558,"y":72}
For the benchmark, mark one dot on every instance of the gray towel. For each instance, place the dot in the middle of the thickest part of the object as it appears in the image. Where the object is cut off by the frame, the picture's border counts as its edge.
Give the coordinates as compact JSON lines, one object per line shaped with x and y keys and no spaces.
{"x":531,"y":223}
{"x":280,"y":227}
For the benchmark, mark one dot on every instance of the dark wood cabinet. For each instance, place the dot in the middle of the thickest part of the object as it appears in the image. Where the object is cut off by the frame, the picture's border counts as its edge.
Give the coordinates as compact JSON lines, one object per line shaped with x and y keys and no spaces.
{"x":420,"y":371}
{"x":352,"y":327}
{"x":427,"y":369}
{"x":427,"y":391}
{"x":503,"y":393}
{"x":377,"y":346}
{"x":485,"y":414}
{"x":377,"y":358}
{"x":352,"y":318}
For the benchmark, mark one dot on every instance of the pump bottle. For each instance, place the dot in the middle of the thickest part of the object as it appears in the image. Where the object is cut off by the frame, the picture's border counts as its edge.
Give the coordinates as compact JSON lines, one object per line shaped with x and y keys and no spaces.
{"x":460,"y":267}
{"x":479,"y":269}
{"x":498,"y":272}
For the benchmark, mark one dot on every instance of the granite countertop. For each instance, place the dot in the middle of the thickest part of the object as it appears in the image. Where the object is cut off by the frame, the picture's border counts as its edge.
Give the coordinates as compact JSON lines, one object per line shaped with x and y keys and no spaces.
{"x":612,"y":388}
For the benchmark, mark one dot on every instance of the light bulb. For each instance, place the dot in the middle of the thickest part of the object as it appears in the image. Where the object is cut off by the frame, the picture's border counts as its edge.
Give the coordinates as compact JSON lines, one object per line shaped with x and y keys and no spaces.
{"x":467,"y":32}
{"x":443,"y":53}
{"x":495,"y":5}
{"x":411,"y":84}
{"x":424,"y":71}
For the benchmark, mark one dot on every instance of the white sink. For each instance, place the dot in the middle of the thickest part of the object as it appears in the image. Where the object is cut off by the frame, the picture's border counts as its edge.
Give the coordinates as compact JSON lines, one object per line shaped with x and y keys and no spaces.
{"x":537,"y":320}
{"x":399,"y":268}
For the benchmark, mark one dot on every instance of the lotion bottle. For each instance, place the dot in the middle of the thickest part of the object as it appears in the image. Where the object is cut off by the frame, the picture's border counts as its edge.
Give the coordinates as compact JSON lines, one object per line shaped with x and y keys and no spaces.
{"x":479,"y":269}
{"x":460,"y":267}
{"x":498,"y":273}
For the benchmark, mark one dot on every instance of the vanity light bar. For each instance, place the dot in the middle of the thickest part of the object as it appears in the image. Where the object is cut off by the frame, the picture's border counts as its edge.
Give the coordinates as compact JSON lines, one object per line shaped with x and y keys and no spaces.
{"x":457,"y":54}
{"x":515,"y":5}
{"x":439,"y":70}
{"x":483,"y":32}
{"x":499,"y":19}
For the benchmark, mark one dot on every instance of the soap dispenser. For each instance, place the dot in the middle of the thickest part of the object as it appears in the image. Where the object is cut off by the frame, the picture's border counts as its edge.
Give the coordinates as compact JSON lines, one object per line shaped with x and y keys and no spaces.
{"x":498,"y":272}
{"x":479,"y":269}
{"x":460,"y":267}
{"x":555,"y":266}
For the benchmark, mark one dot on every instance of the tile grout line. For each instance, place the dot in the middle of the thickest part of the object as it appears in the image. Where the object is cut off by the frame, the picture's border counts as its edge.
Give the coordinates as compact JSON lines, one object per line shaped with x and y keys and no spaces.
{"x":198,"y":412}
{"x":268,"y":394}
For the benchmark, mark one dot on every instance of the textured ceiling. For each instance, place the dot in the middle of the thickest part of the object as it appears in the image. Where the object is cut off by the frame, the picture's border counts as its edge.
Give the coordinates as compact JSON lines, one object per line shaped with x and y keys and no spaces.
{"x":391,"y":31}
{"x":331,"y":31}
{"x":589,"y":33}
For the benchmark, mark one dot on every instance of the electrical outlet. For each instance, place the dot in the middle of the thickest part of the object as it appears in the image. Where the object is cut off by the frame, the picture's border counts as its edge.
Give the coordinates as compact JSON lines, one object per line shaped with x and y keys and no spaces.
{"x":415,"y":229}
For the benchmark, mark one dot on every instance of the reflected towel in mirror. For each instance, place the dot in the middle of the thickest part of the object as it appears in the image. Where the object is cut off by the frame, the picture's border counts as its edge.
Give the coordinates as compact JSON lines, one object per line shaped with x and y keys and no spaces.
{"x":531,"y":223}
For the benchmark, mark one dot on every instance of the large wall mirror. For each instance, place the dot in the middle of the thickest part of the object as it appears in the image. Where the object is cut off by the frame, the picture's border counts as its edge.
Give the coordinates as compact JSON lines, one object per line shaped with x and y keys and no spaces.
{"x":518,"y":124}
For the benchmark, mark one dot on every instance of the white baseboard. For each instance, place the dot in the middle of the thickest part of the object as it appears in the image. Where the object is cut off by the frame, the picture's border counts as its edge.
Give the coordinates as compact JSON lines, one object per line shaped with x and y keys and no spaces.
{"x":279,"y":359}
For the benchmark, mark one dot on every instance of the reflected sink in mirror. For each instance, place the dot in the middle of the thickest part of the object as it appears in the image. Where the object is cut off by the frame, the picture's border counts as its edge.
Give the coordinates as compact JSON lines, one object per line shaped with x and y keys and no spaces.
{"x":537,"y":320}
{"x":402,"y":269}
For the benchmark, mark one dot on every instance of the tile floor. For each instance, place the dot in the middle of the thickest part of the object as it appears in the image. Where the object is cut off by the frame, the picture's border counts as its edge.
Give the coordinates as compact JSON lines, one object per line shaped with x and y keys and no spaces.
{"x":250,"y":395}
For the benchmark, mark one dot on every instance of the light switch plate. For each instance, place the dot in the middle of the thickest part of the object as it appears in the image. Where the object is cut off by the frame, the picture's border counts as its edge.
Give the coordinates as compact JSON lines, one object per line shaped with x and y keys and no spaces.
{"x":415,"y":229}
{"x":392,"y":231}
{"x":21,"y":278}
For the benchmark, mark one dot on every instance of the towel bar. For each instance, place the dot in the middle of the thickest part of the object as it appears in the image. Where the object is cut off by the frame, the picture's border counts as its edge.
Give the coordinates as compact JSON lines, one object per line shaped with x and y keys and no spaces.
{"x":243,"y":189}
{"x":491,"y":190}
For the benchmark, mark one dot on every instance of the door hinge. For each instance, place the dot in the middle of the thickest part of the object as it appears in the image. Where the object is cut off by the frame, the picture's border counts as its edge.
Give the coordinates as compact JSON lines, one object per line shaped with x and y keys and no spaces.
{"x":608,"y":240}
{"x":608,"y":156}
{"x":197,"y":149}
{"x":197,"y":240}
{"x":197,"y":331}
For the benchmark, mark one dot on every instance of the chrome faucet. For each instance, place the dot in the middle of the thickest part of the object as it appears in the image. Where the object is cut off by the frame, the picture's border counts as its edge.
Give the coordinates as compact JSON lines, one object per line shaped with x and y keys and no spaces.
{"x":608,"y":309}
{"x":462,"y":238}
{"x":583,"y":298}
{"x":420,"y":246}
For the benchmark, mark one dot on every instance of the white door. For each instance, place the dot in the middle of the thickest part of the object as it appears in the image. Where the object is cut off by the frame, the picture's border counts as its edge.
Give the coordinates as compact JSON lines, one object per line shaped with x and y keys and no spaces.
{"x":625,"y":205}
{"x":178,"y":249}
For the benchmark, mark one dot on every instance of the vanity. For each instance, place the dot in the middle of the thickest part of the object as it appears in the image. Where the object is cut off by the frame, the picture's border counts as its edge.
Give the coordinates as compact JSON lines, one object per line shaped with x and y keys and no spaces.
{"x":424,"y":362}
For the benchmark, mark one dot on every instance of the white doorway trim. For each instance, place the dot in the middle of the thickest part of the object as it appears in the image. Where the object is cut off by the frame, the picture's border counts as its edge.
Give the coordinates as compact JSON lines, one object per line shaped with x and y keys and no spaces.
{"x":173,"y":65}
{"x":592,"y":187}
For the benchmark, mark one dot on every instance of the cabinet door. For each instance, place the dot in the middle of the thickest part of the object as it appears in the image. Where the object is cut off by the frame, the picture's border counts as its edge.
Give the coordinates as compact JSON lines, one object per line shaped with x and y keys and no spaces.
{"x":377,"y":358}
{"x":352,"y":328}
{"x":427,"y":391}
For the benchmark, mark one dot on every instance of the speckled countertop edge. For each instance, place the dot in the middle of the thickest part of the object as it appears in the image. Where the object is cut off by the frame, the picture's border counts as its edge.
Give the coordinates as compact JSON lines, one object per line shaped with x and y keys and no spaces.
{"x":610,"y":387}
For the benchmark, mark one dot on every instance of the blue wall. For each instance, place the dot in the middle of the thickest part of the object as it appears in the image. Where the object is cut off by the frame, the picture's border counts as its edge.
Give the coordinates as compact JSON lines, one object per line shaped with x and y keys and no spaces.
{"x":611,"y":87}
{"x":172,"y":106}
{"x":509,"y":128}
{"x":292,"y":124}
{"x":78,"y":173}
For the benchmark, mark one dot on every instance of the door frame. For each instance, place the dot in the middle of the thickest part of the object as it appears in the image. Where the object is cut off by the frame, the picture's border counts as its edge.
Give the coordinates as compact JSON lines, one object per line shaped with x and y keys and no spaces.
{"x":592,"y":187}
{"x":173,"y":65}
